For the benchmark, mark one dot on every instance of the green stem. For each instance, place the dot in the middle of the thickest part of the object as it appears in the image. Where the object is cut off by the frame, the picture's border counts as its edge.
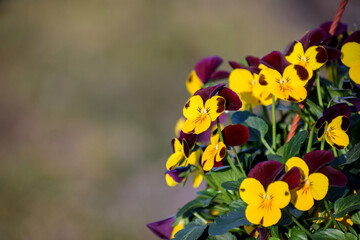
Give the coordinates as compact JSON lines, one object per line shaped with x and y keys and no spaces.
{"x":267,"y":146}
{"x":331,"y":215}
{"x":273,"y":123}
{"x":208,"y":181}
{"x":318,"y":89}
{"x":200,"y":217}
{"x":308,"y":149}
{"x":298,"y":224}
{"x":322,"y":144}
{"x":334,"y":151}
{"x":223,"y":191}
{"x":238,"y":161}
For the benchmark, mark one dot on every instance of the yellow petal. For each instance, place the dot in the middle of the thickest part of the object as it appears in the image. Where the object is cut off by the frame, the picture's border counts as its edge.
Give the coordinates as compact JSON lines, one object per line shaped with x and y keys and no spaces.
{"x":194,"y":157}
{"x":269,"y":76}
{"x":254,"y":214}
{"x":302,"y":198}
{"x":193,"y":83}
{"x":322,"y":131}
{"x":335,"y":135}
{"x":178,"y":147}
{"x":316,"y":57}
{"x":215,"y":106}
{"x":299,"y":163}
{"x":197,"y":179}
{"x":170,"y":181}
{"x":295,"y":57}
{"x":249,"y":98}
{"x":221,"y":151}
{"x":297,"y":75}
{"x":251,"y":191}
{"x":319,"y":185}
{"x":279,"y":193}
{"x":240,"y":80}
{"x":271,"y":216}
{"x":177,"y":228}
{"x":173,"y":160}
{"x":179,"y":124}
{"x":193,"y":107}
{"x":197,"y":125}
{"x":208,"y":157}
{"x":354,"y":72}
{"x":350,"y":53}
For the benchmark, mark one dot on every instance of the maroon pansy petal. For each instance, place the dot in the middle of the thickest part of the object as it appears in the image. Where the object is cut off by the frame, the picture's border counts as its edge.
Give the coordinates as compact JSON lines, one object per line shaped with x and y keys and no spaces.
{"x":235,"y":65}
{"x":208,"y":92}
{"x":264,"y":233}
{"x":207,"y":66}
{"x":233,"y":102}
{"x":354,"y":37}
{"x":275,"y":60}
{"x":291,"y":177}
{"x":317,"y":159}
{"x":266,"y":172}
{"x":174,"y":174}
{"x":356,"y":103}
{"x":312,"y":38}
{"x":336,"y":177}
{"x":333,"y":53}
{"x":190,"y":138}
{"x":235,"y":135}
{"x":219,"y":75}
{"x":340,"y":109}
{"x":253,"y":61}
{"x":340,"y":29}
{"x":186,"y":147}
{"x":163,"y":229}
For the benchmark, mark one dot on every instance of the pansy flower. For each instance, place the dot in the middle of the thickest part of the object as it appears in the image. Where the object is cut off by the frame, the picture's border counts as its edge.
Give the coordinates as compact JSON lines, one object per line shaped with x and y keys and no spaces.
{"x":215,"y":152}
{"x":309,"y":56}
{"x":316,"y":177}
{"x":351,"y":56}
{"x":181,"y":150}
{"x":265,"y":196}
{"x":164,"y":229}
{"x":284,"y":81}
{"x":333,"y":125}
{"x":205,"y":70}
{"x":246,"y":84}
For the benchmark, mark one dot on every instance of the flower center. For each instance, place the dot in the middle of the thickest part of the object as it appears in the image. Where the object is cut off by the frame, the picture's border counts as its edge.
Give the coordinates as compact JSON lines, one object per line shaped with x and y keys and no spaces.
{"x":266,"y":202}
{"x":203,"y":111}
{"x":282,"y":81}
{"x":254,"y":82}
{"x":303,"y":59}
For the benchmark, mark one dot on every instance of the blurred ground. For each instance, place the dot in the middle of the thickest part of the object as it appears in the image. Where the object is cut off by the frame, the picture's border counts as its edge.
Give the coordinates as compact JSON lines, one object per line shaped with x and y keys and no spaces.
{"x":90,"y":92}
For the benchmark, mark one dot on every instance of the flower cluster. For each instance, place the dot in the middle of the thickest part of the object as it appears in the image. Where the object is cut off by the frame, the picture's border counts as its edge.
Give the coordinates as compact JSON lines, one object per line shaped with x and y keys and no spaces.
{"x":298,"y":178}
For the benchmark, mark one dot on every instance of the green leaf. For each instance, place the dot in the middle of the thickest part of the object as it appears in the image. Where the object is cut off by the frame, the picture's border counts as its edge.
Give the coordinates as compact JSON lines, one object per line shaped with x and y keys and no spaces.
{"x":297,"y":234}
{"x":225,"y":236}
{"x":329,"y":234}
{"x":237,"y":204}
{"x":197,"y":202}
{"x":352,"y":155}
{"x":191,"y":231}
{"x":225,"y":174}
{"x":240,"y":116}
{"x":314,"y":108}
{"x":292,"y":147}
{"x":231,"y":185}
{"x":257,"y":128}
{"x":224,"y":223}
{"x":338,"y":92}
{"x":350,"y":236}
{"x":274,"y":230}
{"x":345,"y":205}
{"x":355,"y":218}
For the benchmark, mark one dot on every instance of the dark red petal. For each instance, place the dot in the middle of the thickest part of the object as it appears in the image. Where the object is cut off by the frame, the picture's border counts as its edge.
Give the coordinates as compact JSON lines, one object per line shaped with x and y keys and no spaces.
{"x":175,"y":174}
{"x":290,"y":48}
{"x":186,"y":147}
{"x":356,"y":103}
{"x":190,"y":138}
{"x":341,"y":28}
{"x":292,"y":177}
{"x":207,"y":66}
{"x":206,"y":93}
{"x":355,"y":37}
{"x":317,"y":159}
{"x":266,"y":172}
{"x":333,"y":53}
{"x":235,"y":135}
{"x":163,"y":229}
{"x":253,"y":61}
{"x":312,"y":38}
{"x":340,"y":109}
{"x":235,"y":65}
{"x":336,"y":177}
{"x":233,"y":102}
{"x":219,"y":75}
{"x":275,"y":60}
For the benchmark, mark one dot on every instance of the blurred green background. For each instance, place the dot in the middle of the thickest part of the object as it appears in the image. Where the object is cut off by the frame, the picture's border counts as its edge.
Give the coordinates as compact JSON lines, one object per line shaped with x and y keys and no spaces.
{"x":90,"y":92}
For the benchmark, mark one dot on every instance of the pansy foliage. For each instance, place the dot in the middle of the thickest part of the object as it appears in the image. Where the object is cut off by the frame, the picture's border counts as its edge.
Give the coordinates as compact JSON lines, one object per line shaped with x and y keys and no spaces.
{"x":259,"y":177}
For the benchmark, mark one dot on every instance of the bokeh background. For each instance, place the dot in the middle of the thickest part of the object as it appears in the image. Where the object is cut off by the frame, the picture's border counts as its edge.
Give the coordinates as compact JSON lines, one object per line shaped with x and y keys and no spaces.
{"x":89,"y":95}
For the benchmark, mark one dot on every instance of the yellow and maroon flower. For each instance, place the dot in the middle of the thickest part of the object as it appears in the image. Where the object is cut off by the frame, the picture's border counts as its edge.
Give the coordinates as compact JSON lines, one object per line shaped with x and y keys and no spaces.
{"x":265,"y":196}
{"x":205,"y":70}
{"x":333,"y":125}
{"x":283,"y":80}
{"x":351,"y":56}
{"x":316,"y":177}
